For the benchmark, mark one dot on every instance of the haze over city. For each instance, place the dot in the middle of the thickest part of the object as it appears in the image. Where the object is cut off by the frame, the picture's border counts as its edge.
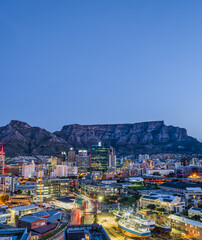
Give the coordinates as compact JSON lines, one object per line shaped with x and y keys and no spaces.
{"x":92,"y":62}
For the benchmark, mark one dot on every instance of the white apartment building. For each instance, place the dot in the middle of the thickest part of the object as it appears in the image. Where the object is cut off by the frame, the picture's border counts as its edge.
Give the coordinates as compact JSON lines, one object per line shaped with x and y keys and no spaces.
{"x":64,"y":171}
{"x":28,"y":171}
{"x":161,"y":171}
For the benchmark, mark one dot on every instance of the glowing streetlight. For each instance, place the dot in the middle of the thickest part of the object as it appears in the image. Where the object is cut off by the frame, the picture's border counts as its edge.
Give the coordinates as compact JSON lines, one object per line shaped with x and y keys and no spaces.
{"x":100,"y":199}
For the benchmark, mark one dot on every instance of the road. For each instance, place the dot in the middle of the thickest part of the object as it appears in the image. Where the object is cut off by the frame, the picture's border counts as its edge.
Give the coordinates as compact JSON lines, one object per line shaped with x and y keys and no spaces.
{"x":76,"y":216}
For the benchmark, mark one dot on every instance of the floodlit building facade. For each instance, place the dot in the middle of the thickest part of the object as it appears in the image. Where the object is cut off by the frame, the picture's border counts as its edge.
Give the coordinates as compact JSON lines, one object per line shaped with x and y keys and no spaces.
{"x":188,"y":227}
{"x":99,"y":160}
{"x":169,"y":203}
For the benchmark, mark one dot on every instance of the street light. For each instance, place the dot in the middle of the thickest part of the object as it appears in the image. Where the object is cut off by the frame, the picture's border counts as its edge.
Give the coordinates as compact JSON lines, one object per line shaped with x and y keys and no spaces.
{"x":100,"y":199}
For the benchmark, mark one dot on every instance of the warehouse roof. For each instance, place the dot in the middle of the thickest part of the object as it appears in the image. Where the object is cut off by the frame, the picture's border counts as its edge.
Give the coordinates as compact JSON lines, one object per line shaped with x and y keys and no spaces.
{"x":22,"y":208}
{"x":185,"y":220}
{"x":41,"y":214}
{"x":180,"y":185}
{"x":66,"y":199}
{"x":29,"y":218}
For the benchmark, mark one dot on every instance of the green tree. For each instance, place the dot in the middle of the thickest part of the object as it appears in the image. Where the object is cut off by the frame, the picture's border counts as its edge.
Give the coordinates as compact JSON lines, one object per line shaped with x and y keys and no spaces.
{"x":4,"y":198}
{"x":151,"y":206}
{"x":95,"y":220}
{"x":196,"y":217}
{"x":161,"y":209}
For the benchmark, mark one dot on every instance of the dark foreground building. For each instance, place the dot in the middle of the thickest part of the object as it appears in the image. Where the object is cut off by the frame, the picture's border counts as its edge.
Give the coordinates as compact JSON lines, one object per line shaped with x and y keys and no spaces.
{"x":87,"y":232}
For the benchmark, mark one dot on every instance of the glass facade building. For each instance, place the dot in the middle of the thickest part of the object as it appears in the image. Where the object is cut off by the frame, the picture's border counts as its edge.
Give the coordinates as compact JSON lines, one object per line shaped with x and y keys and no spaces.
{"x":99,"y":160}
{"x":51,"y":188}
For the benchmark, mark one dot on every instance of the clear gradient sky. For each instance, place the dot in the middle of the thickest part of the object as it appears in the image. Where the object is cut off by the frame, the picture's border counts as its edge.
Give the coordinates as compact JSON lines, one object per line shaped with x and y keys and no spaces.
{"x":101,"y":61}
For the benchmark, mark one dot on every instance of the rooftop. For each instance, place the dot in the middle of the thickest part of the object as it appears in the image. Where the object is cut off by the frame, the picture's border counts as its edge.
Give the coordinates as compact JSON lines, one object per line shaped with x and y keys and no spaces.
{"x":41,"y":214}
{"x":196,"y":210}
{"x":44,"y":229}
{"x":185,"y":220}
{"x":180,"y":185}
{"x":14,"y":233}
{"x":66,"y":199}
{"x":161,"y":197}
{"x":78,"y":232}
{"x":22,"y":208}
{"x":29,"y":218}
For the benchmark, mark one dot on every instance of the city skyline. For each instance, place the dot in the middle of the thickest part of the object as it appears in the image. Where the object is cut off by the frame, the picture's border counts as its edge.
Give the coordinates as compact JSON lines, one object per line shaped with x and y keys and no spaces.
{"x":101,"y":62}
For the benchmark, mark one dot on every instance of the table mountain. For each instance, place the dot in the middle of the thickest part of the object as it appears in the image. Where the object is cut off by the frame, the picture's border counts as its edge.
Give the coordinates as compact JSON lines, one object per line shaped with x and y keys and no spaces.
{"x":19,"y":138}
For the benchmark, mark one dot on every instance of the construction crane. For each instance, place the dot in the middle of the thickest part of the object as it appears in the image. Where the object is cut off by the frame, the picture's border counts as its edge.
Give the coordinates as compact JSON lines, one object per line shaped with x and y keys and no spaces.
{"x":2,"y":160}
{"x":40,"y":181}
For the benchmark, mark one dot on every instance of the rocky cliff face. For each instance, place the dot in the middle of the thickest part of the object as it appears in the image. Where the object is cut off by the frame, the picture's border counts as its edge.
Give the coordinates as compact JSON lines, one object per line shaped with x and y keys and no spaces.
{"x":19,"y":138}
{"x":145,"y":137}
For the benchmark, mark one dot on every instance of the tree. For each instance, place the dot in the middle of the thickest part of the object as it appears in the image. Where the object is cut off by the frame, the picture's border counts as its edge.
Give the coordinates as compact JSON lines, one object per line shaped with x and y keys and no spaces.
{"x":156,"y":174}
{"x":151,"y":206}
{"x":95,"y":220}
{"x":171,"y":174}
{"x":196,"y":217}
{"x":82,"y":220}
{"x":161,"y":209}
{"x":185,"y":212}
{"x":4,"y":198}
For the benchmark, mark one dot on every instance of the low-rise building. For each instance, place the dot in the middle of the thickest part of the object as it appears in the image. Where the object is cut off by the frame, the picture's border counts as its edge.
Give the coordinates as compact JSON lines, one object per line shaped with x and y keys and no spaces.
{"x":65,"y":202}
{"x":90,"y":232}
{"x":161,"y":171}
{"x":15,"y":233}
{"x":169,"y":203}
{"x":27,"y":188}
{"x":23,"y":210}
{"x":192,"y":192}
{"x":31,"y":222}
{"x":5,"y":218}
{"x":186,"y":226}
{"x":195,"y":211}
{"x":99,"y":188}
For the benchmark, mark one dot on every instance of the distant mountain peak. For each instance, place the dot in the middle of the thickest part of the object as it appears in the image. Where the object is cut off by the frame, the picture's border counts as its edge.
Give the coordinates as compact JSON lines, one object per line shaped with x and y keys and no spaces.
{"x":19,"y":124}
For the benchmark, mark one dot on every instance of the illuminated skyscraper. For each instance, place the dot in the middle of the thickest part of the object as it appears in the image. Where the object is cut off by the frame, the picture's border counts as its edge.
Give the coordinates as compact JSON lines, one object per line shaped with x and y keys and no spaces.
{"x":71,"y":155}
{"x":99,"y":158}
{"x":112,"y":158}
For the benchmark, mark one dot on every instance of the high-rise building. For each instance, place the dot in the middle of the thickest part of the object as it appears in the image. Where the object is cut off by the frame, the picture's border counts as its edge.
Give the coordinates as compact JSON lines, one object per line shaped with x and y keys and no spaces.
{"x":99,"y":160}
{"x":82,"y":161}
{"x":71,"y":155}
{"x":112,"y":158}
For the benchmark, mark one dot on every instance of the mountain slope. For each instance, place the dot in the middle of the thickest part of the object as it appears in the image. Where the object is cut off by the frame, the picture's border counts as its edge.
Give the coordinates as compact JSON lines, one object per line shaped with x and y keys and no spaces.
{"x":145,"y":137}
{"x":19,"y":138}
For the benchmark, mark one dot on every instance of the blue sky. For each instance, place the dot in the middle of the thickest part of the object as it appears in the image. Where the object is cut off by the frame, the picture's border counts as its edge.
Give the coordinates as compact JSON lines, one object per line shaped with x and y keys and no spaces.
{"x":100,"y":61}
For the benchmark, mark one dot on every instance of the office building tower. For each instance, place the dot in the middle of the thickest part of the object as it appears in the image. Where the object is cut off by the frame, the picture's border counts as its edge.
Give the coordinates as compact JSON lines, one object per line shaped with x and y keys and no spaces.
{"x":112,"y":158}
{"x":82,"y":161}
{"x":71,"y":155}
{"x":99,"y":160}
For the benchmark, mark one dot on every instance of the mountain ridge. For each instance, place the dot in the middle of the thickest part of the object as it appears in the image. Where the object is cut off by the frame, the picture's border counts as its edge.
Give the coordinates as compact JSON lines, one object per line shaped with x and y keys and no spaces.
{"x":19,"y":138}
